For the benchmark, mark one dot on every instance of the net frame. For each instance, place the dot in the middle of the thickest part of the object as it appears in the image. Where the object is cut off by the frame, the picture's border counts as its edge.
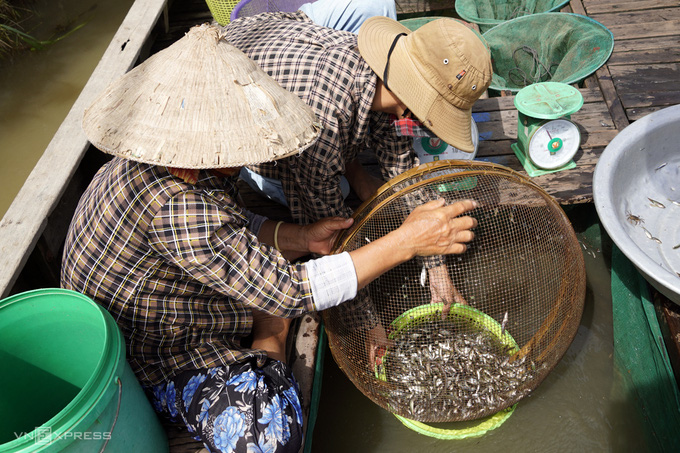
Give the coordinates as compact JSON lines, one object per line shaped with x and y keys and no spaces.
{"x":543,"y":331}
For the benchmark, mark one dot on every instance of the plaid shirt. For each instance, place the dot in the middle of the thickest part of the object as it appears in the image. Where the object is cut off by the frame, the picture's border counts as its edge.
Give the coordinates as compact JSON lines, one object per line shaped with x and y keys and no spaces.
{"x":177,"y":267}
{"x":322,"y":66}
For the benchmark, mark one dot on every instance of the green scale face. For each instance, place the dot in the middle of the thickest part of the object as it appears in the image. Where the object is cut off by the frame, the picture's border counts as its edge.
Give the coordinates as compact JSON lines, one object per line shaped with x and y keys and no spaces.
{"x":546,"y":138}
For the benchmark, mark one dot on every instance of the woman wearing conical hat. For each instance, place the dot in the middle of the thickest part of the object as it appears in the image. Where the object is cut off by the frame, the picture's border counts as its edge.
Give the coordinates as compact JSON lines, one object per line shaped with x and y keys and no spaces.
{"x":202,"y":289}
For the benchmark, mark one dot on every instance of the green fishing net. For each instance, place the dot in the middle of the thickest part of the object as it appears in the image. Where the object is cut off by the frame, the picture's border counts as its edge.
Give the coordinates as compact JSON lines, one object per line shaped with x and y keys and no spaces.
{"x":489,"y":13}
{"x":547,"y":47}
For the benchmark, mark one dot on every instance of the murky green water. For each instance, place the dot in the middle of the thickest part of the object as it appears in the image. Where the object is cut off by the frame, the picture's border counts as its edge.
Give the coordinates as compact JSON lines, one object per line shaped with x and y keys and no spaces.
{"x":580,"y":407}
{"x":37,"y":89}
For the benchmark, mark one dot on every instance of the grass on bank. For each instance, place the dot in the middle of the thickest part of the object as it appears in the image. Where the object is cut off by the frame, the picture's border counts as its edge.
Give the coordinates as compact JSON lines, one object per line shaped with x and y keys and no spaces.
{"x":14,"y":38}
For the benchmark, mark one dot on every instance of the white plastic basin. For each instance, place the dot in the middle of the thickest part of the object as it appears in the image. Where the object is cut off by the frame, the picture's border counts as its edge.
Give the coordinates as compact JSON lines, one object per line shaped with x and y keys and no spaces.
{"x":641,"y":164}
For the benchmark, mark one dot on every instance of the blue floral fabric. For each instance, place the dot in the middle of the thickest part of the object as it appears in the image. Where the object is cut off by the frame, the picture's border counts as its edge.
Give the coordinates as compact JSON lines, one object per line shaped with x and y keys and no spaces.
{"x":236,"y":408}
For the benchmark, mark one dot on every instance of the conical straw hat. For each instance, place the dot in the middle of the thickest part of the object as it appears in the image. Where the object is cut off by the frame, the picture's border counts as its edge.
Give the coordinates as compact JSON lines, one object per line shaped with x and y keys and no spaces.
{"x":200,"y":103}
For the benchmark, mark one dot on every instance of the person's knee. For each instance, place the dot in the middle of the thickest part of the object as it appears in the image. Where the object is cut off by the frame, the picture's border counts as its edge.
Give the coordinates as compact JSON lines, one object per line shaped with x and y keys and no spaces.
{"x":266,"y":325}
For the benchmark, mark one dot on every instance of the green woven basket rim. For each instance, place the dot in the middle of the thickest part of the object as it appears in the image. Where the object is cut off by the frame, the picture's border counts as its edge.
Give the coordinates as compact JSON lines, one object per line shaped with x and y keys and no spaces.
{"x":428,"y":311}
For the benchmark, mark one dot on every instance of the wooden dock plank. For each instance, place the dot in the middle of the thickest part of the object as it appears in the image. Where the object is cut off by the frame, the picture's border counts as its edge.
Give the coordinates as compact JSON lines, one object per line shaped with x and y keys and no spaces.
{"x":646,"y":78}
{"x":661,"y":44}
{"x":659,"y":52}
{"x":643,"y":65}
{"x":602,"y":80}
{"x":594,"y":7}
{"x":422,"y":7}
{"x":636,"y":113}
{"x":632,"y":19}
{"x":643,"y":30}
{"x":658,"y":99}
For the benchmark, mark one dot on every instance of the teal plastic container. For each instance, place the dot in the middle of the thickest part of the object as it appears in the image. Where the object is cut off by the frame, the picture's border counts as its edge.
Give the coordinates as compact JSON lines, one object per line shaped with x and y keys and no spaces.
{"x":65,"y":385}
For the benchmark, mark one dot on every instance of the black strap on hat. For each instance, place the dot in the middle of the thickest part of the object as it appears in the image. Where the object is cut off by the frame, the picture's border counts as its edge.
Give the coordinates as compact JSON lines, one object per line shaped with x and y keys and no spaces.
{"x":389,"y":53}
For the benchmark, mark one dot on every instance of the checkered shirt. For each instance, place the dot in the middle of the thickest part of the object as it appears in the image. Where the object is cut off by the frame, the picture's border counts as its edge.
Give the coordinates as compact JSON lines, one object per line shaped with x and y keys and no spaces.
{"x":177,"y":267}
{"x":322,"y":66}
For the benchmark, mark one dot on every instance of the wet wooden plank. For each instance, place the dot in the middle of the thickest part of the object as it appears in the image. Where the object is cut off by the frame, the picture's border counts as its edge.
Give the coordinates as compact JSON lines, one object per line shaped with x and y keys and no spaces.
{"x":303,"y":361}
{"x":180,"y":440}
{"x":656,"y":99}
{"x":431,"y":7}
{"x":603,"y":81}
{"x":643,"y":65}
{"x":594,"y":7}
{"x":646,"y":78}
{"x":643,"y":29}
{"x":660,"y":44}
{"x":659,"y":51}
{"x":632,"y":19}
{"x":636,"y":113}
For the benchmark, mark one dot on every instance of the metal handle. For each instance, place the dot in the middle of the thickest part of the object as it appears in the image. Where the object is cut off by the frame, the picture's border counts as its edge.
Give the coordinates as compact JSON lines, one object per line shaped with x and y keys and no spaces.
{"x":115,"y":419}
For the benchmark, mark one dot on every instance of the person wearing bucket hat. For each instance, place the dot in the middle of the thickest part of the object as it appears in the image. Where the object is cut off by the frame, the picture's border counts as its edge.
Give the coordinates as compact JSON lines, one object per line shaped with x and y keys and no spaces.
{"x":437,"y":72}
{"x":202,"y":289}
{"x":357,"y":93}
{"x":361,"y":88}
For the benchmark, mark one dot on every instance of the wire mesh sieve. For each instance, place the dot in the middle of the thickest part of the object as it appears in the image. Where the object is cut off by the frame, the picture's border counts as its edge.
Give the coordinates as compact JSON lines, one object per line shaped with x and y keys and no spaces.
{"x":522,"y":281}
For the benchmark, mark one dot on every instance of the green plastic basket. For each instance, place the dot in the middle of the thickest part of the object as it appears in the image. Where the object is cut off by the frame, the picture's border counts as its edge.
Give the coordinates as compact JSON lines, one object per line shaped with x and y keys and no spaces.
{"x":221,"y":10}
{"x":481,"y":321}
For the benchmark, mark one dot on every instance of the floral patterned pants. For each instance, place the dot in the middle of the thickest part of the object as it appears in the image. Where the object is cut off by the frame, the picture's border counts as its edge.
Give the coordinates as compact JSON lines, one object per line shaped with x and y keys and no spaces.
{"x":236,"y":408}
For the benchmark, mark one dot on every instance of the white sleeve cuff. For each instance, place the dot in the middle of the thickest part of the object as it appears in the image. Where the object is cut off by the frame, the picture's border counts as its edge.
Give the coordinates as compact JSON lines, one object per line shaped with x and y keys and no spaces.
{"x":333,"y":280}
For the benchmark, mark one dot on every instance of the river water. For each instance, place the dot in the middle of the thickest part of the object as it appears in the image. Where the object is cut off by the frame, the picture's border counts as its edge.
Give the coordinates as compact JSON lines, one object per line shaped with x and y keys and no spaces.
{"x":38,"y":88}
{"x":580,"y":407}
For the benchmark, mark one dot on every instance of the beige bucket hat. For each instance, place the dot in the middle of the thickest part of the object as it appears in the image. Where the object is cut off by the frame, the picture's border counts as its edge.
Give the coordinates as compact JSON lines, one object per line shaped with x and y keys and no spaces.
{"x":200,"y":103}
{"x":438,"y":71}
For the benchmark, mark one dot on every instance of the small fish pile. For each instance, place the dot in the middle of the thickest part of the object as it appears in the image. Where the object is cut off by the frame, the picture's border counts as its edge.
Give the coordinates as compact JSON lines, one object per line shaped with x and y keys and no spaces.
{"x":445,"y":373}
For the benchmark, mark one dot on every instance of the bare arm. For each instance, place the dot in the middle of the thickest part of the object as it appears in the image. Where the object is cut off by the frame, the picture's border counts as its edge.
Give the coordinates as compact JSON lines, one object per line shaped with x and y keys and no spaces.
{"x":298,"y":240}
{"x":363,"y":183}
{"x":431,"y":229}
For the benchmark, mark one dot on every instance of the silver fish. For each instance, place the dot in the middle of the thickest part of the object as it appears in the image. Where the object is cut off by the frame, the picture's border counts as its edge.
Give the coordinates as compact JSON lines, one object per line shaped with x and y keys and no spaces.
{"x":505,"y":321}
{"x":656,"y":204}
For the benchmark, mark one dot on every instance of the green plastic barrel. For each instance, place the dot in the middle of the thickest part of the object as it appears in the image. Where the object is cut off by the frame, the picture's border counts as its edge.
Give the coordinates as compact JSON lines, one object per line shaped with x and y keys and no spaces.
{"x":65,"y":384}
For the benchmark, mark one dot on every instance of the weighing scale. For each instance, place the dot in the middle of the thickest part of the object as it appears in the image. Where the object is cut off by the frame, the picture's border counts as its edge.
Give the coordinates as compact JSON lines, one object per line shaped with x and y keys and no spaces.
{"x":547,"y":140}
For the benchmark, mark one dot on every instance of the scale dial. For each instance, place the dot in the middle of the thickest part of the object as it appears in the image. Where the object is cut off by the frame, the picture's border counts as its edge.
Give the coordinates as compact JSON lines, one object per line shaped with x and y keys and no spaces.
{"x":554,"y":143}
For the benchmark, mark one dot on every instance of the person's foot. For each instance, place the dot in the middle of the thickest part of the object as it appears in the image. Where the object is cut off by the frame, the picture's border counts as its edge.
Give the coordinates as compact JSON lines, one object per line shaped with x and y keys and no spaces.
{"x":270,"y":334}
